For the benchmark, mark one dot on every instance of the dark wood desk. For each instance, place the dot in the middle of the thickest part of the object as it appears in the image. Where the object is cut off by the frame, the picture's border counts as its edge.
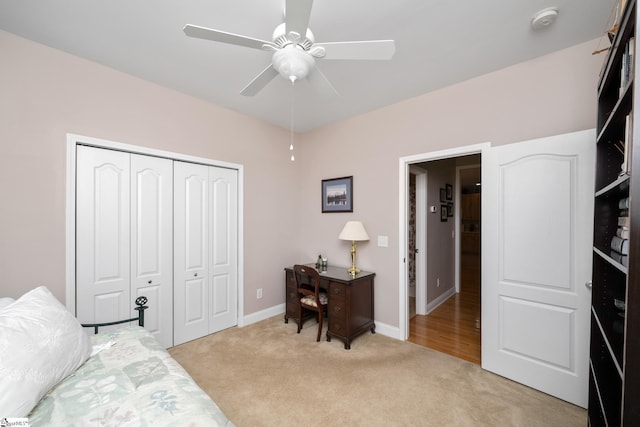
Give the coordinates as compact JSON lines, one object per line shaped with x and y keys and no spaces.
{"x":350,"y":308}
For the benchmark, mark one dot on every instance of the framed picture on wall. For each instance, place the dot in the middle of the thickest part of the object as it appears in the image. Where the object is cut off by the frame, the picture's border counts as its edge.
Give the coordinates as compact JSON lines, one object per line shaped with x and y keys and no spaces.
{"x":449,"y":191}
{"x":443,"y":213}
{"x":449,"y":210}
{"x":337,"y":194}
{"x":443,"y":195}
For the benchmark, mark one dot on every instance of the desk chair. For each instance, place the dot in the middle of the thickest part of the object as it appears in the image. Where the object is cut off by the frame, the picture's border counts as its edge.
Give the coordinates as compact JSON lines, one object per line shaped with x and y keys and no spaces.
{"x":309,"y":296}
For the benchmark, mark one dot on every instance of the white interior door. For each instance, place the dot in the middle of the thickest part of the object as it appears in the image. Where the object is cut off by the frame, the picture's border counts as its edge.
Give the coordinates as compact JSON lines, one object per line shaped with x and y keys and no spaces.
{"x":537,"y":219}
{"x":102,"y":235}
{"x":152,"y":242}
{"x":223,"y":260}
{"x":191,"y":251}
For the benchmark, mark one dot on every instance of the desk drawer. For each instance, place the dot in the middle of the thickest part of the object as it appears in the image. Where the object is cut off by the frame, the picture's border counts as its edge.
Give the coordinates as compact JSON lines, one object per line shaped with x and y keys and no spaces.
{"x":337,"y":291}
{"x":337,"y":310}
{"x":337,"y":326}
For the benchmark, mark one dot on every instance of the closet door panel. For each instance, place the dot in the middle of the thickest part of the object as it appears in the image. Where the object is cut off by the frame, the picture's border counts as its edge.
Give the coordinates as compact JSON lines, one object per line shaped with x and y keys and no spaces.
{"x":191,"y":251}
{"x":102,"y":235}
{"x":152,"y":242}
{"x":223,"y":263}
{"x":195,"y":302}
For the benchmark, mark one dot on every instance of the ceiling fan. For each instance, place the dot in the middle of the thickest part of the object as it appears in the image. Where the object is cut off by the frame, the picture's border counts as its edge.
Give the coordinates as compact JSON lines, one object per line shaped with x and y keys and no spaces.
{"x":294,"y":49}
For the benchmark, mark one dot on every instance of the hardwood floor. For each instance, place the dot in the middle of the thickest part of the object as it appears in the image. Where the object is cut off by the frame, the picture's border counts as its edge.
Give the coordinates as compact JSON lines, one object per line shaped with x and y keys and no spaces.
{"x":454,"y":327}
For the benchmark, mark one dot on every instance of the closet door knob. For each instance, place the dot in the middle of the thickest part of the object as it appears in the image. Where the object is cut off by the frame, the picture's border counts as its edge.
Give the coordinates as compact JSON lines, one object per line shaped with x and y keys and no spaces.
{"x":195,"y":274}
{"x":149,"y":282}
{"x":588,"y":284}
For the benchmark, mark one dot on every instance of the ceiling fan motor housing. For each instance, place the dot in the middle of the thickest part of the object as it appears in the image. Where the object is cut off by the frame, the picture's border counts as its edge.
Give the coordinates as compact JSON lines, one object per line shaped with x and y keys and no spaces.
{"x":281,"y":38}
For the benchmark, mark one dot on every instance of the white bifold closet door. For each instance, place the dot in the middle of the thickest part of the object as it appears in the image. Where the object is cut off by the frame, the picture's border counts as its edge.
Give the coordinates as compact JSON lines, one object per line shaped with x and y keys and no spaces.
{"x":205,"y":250}
{"x":152,"y":242}
{"x":124,"y":245}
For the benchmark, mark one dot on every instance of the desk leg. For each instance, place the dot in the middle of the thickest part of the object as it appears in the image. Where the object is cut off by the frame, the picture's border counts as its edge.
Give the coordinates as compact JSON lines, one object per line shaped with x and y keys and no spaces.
{"x":373,"y":328}
{"x":286,"y":319}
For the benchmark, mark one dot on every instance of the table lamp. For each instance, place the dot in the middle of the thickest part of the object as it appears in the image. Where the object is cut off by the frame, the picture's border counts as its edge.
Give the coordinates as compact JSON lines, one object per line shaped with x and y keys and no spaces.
{"x":354,"y":231}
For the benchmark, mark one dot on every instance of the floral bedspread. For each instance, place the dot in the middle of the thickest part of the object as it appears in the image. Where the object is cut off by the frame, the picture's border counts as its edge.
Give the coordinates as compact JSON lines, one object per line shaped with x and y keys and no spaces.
{"x":132,"y":382}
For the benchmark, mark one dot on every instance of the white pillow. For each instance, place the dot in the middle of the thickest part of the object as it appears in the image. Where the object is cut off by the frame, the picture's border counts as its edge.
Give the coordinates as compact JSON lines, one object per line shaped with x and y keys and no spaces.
{"x":5,"y":302}
{"x":41,"y":343}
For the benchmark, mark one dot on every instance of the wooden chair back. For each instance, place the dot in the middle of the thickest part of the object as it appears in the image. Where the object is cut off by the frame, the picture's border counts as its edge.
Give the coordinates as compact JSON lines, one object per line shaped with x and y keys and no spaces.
{"x":307,"y":281}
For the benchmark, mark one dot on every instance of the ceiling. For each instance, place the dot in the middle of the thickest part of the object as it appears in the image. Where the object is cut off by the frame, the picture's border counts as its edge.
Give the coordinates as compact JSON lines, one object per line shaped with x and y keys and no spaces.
{"x":438,"y":43}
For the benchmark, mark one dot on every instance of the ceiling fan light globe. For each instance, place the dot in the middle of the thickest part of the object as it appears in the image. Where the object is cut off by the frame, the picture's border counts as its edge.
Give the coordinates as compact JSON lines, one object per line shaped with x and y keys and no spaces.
{"x":292,"y":63}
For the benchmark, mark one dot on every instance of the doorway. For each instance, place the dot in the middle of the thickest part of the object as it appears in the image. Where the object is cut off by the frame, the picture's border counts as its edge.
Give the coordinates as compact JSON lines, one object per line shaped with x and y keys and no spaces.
{"x":451,"y":254}
{"x":535,"y":334}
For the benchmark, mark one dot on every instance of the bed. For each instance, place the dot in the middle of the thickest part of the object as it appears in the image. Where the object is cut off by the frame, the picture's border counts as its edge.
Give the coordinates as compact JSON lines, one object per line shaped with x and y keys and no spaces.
{"x":62,"y":376}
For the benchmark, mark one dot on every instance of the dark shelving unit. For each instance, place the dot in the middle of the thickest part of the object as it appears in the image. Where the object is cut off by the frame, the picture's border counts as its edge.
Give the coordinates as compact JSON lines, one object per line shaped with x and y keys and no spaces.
{"x":614,"y":381}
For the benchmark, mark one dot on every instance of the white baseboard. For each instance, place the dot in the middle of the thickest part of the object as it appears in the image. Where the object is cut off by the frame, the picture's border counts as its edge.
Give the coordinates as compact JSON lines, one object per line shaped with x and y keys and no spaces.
{"x":261,"y":315}
{"x":389,"y":331}
{"x":381,"y":328}
{"x":442,"y":298}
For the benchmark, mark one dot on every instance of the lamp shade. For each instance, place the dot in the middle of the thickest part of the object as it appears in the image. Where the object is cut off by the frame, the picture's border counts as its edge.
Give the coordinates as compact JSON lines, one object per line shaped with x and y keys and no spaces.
{"x":354,"y":231}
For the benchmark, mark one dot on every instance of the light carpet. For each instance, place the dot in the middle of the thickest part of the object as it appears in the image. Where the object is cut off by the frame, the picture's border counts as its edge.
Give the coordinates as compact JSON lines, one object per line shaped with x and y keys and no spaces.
{"x":266,"y":374}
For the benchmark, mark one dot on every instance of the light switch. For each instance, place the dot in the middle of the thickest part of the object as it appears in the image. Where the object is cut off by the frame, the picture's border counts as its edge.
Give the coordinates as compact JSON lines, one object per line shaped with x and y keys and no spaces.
{"x":383,"y":241}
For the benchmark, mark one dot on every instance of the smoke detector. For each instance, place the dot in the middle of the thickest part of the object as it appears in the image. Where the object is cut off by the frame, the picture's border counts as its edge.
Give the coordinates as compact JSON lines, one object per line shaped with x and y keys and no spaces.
{"x":544,"y":18}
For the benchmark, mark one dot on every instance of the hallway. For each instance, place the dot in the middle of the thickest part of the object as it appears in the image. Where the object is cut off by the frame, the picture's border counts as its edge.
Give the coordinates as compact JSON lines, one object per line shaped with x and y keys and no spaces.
{"x":454,"y":327}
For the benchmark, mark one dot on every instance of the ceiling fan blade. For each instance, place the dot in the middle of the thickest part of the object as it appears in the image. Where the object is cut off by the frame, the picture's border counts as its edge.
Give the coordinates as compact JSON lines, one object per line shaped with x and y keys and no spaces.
{"x":365,"y":50}
{"x":260,"y":81}
{"x":321,"y":84}
{"x":297,"y":13}
{"x":224,"y":37}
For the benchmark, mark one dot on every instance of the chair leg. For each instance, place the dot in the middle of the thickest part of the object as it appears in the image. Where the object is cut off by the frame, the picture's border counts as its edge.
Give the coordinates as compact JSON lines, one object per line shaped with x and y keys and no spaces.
{"x":299,"y":318}
{"x":319,"y":326}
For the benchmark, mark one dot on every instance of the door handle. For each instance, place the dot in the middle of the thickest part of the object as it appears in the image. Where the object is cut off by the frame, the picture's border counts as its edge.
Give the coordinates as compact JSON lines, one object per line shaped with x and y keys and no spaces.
{"x":588,"y":284}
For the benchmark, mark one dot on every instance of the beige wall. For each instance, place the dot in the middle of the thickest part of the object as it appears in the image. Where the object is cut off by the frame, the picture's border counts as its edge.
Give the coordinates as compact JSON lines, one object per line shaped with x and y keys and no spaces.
{"x":46,"y":94}
{"x":550,"y":95}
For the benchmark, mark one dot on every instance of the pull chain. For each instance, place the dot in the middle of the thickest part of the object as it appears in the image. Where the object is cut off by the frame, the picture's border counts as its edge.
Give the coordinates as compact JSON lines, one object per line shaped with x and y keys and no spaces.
{"x":292,"y":121}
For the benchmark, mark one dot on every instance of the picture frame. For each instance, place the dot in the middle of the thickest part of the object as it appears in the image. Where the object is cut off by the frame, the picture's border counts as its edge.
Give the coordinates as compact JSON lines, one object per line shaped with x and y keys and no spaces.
{"x":449,"y":191}
{"x":337,"y":194}
{"x":449,"y":210}
{"x":443,"y":195}
{"x":443,"y":213}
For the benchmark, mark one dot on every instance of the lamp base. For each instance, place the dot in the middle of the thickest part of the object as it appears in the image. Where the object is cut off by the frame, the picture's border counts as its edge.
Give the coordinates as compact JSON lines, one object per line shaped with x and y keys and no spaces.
{"x":353,"y":270}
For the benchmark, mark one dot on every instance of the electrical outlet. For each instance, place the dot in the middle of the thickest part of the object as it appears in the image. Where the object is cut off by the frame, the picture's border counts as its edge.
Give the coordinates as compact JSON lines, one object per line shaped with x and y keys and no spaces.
{"x":259,"y":293}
